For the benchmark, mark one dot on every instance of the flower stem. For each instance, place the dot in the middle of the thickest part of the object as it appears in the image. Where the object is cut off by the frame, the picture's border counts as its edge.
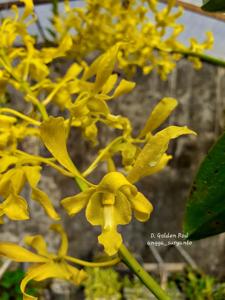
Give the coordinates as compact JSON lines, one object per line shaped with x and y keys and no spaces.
{"x":107,"y":263}
{"x":204,"y":57}
{"x":20,"y":115}
{"x":42,"y":110}
{"x":81,"y":183}
{"x":101,"y":155}
{"x":147,"y":280}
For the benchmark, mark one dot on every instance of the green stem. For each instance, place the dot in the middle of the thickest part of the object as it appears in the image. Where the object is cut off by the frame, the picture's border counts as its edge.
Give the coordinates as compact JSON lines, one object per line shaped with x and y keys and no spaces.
{"x":101,"y":155}
{"x":42,"y":110}
{"x":81,"y":183}
{"x":204,"y":57}
{"x":20,"y":115}
{"x":147,"y":280}
{"x":100,"y":264}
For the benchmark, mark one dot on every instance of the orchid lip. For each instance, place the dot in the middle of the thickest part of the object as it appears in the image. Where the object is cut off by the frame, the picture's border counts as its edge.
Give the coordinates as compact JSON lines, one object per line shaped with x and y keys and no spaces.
{"x":108,"y":217}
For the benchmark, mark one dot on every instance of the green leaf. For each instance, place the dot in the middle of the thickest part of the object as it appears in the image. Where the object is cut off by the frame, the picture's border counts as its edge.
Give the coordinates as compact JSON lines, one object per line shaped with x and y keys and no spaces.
{"x":214,"y":5}
{"x":205,"y":210}
{"x":55,"y":7}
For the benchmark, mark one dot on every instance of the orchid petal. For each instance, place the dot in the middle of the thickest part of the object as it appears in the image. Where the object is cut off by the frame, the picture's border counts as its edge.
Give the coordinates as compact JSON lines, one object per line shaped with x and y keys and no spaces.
{"x":54,"y":135}
{"x":124,"y":87}
{"x":149,"y":170}
{"x":112,"y":182}
{"x":159,"y":114}
{"x":43,"y":199}
{"x":111,"y":240}
{"x":154,"y":149}
{"x":32,"y":174}
{"x":142,"y":207}
{"x":75,"y":204}
{"x":110,"y":83}
{"x":42,"y":272}
{"x":29,"y":7}
{"x":6,"y":161}
{"x":19,"y":254}
{"x":15,"y":207}
{"x":64,"y":240}
{"x":106,"y":66}
{"x":95,"y":210}
{"x":38,"y":243}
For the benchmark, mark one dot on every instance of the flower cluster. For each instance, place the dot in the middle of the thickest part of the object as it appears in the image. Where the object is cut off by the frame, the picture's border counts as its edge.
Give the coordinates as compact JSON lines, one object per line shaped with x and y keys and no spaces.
{"x":52,"y":103}
{"x":150,"y":31}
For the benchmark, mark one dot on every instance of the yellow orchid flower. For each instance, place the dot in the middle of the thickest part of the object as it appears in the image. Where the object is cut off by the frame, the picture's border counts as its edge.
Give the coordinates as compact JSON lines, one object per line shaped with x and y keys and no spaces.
{"x":199,"y":48}
{"x":51,"y":53}
{"x":143,"y":161}
{"x":54,"y":133}
{"x":9,"y":138}
{"x":46,"y":264}
{"x":130,"y":148}
{"x":60,"y":92}
{"x":153,"y":157}
{"x":102,"y":67}
{"x":108,"y":205}
{"x":90,"y":106}
{"x":12,"y":27}
{"x":12,"y":183}
{"x":31,"y":65}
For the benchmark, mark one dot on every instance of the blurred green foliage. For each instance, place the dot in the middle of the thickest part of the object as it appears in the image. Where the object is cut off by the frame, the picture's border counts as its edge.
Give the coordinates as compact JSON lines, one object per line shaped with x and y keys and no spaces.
{"x":108,"y":284}
{"x":102,"y":283}
{"x":134,"y":289}
{"x":10,"y":285}
{"x":195,"y":285}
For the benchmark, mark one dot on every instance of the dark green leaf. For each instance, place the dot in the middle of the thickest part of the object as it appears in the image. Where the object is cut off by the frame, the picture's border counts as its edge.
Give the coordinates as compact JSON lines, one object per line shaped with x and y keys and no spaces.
{"x":214,"y":5}
{"x":55,"y":7}
{"x":205,"y":211}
